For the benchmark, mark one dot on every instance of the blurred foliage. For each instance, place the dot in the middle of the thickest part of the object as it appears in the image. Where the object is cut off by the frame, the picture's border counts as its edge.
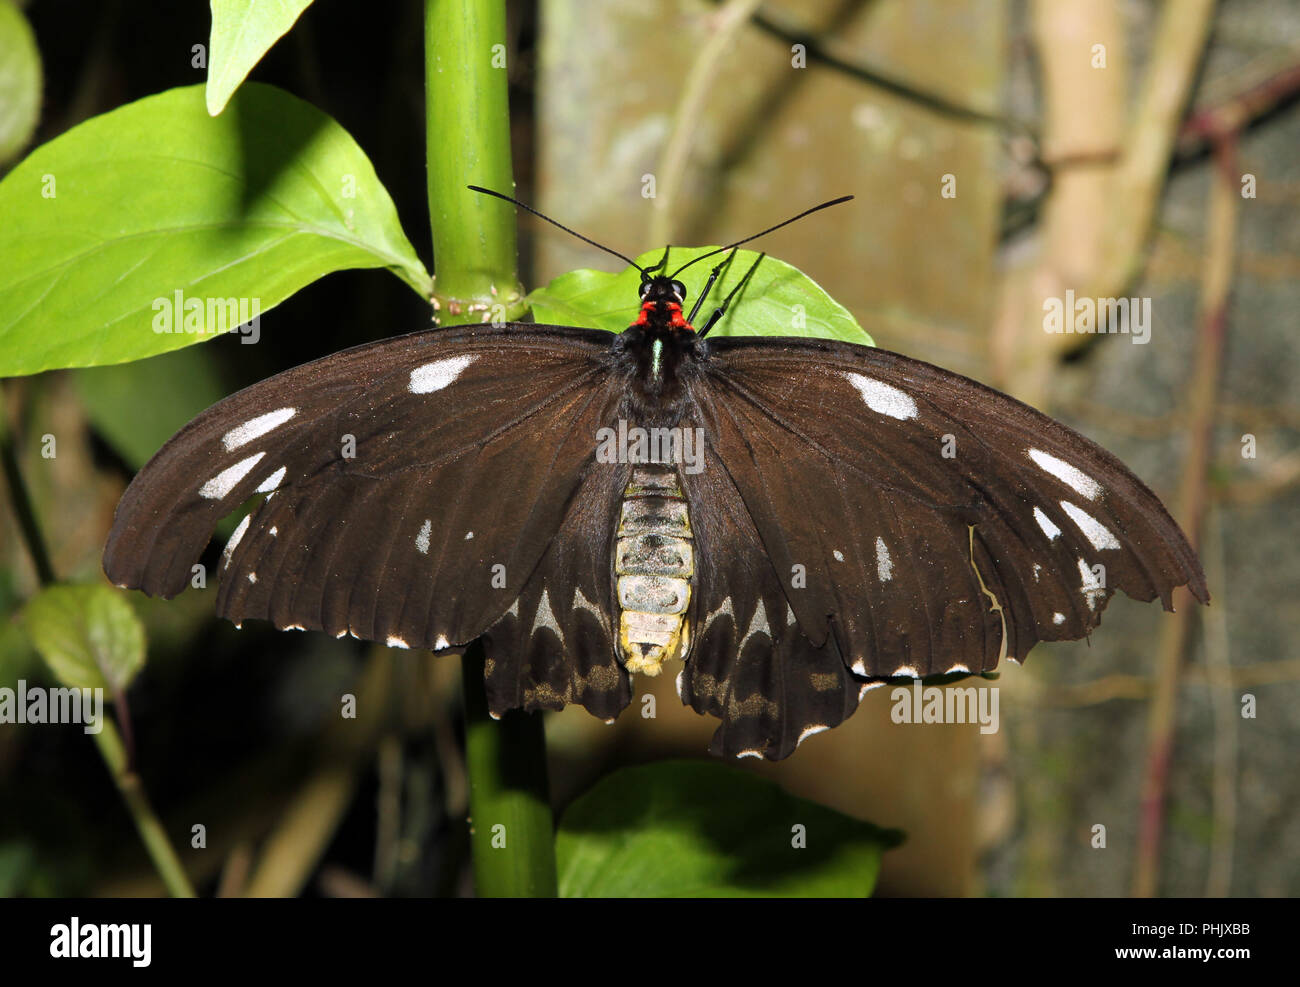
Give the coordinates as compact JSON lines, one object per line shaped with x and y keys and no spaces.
{"x":681,"y":829}
{"x":20,"y":81}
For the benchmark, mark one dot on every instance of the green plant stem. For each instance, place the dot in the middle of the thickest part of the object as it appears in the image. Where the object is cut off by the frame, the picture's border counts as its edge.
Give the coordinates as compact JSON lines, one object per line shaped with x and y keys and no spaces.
{"x":468,"y":142}
{"x":511,"y":830}
{"x":147,"y":823}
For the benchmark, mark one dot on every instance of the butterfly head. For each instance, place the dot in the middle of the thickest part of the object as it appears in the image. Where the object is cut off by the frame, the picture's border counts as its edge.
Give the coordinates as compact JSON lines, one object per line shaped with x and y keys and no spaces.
{"x":661,"y":304}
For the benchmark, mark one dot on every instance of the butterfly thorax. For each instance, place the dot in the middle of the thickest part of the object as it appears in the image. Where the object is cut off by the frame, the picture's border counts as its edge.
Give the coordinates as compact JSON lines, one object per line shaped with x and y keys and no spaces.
{"x":660,"y":348}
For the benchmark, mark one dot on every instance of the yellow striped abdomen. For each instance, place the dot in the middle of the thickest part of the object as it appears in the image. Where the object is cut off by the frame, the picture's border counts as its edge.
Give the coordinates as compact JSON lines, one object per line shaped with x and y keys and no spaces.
{"x":654,"y":570}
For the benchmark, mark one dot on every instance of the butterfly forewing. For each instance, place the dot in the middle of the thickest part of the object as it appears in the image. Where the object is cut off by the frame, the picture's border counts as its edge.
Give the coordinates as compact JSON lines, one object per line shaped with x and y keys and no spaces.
{"x":911,"y":512}
{"x":416,"y":483}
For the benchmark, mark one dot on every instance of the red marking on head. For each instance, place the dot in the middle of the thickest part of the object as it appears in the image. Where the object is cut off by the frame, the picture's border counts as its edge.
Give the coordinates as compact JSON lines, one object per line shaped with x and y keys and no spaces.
{"x":674,"y":310}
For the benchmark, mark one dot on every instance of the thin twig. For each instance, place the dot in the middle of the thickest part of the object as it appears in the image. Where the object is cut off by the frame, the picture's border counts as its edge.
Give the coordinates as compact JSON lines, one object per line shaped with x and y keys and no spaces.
{"x":1190,"y":506}
{"x":1219,"y":666}
{"x":727,"y":23}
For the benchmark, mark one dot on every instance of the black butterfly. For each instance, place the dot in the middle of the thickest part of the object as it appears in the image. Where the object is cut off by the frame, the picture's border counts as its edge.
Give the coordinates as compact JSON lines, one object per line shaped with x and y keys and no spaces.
{"x":798,"y":519}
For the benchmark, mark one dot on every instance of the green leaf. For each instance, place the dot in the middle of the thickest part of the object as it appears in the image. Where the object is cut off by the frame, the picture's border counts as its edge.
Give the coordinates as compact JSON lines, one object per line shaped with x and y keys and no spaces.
{"x":89,"y":636}
{"x":692,"y":828}
{"x":242,"y":32}
{"x":105,"y":225}
{"x":20,"y":81}
{"x":138,"y":406}
{"x":779,"y":300}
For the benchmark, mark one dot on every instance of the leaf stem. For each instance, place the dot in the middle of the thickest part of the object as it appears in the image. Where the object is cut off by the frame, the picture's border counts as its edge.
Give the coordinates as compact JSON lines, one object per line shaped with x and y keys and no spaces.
{"x":151,"y":830}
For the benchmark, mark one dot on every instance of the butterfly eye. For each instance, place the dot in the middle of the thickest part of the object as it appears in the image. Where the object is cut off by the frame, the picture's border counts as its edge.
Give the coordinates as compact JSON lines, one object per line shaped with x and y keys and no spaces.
{"x":679,"y":290}
{"x":645,"y":288}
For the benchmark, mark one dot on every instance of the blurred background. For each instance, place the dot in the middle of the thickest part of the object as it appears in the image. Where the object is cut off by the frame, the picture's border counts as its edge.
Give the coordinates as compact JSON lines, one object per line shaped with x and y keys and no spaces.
{"x":1001,"y":152}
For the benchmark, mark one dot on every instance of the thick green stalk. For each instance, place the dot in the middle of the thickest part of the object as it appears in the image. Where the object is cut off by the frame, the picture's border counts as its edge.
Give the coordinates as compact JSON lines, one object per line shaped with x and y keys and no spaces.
{"x":511,"y":831}
{"x":468,"y":142}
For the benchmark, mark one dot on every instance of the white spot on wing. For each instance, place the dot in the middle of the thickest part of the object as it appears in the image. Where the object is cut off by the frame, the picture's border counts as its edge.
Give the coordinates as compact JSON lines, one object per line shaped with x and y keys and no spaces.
{"x":884,"y":564}
{"x":396,"y":642}
{"x":1058,"y":618}
{"x":231,"y":545}
{"x":724,"y":607}
{"x":750,"y":754}
{"x":422,"y":539}
{"x":867,"y":687}
{"x":882,"y":398}
{"x":860,"y":667}
{"x":959,"y":667}
{"x":1092,"y":529}
{"x":442,"y":644}
{"x":469,"y":535}
{"x":274,"y":531}
{"x":438,"y":374}
{"x":816,"y":728}
{"x":757,"y":625}
{"x":839,"y":556}
{"x":252,"y":577}
{"x":906,"y":671}
{"x":1049,"y":529}
{"x":1037,"y":571}
{"x":225,"y":481}
{"x":271,"y":482}
{"x":1092,"y":587}
{"x":1071,"y":476}
{"x":679,"y":685}
{"x":256,"y":427}
{"x":545,"y":617}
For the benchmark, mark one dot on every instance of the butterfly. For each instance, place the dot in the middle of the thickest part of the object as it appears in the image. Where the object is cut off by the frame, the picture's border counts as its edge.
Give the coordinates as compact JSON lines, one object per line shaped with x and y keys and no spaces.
{"x":785,"y":523}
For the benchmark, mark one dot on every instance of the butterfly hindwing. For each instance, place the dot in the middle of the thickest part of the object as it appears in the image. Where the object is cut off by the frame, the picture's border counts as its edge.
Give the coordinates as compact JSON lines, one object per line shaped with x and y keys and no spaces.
{"x":751,"y":665}
{"x":555,"y":644}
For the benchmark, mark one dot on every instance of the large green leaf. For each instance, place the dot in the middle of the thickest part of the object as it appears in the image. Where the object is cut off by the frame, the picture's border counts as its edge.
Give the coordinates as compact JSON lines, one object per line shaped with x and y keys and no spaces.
{"x":20,"y":81}
{"x":693,"y":828}
{"x":242,"y":32}
{"x":105,"y":225}
{"x":89,"y":635}
{"x":779,"y":300}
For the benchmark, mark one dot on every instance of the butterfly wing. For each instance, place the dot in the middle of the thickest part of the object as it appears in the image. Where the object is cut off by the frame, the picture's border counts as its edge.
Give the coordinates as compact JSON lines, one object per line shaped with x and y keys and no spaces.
{"x":921,"y":521}
{"x":414,"y":485}
{"x":751,"y":665}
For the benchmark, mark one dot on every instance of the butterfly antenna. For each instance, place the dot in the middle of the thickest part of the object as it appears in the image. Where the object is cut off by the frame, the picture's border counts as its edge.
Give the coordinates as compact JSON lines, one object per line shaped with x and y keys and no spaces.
{"x":584,"y":239}
{"x":770,"y":229}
